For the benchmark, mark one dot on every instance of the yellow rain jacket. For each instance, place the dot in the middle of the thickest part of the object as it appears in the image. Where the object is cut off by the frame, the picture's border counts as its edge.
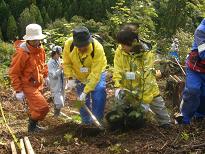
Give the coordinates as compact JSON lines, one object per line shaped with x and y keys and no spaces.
{"x":74,"y":61}
{"x":124,"y":62}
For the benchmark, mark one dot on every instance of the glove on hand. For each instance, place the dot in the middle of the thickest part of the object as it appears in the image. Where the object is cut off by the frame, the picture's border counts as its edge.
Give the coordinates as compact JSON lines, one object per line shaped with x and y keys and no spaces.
{"x":20,"y":96}
{"x":82,"y":96}
{"x":70,"y":84}
{"x":117,"y":93}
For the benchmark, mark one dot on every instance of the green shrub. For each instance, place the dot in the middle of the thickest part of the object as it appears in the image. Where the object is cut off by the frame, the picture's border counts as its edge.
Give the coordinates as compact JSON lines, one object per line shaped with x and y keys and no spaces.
{"x":6,"y":50}
{"x":59,"y":31}
{"x":185,"y":43}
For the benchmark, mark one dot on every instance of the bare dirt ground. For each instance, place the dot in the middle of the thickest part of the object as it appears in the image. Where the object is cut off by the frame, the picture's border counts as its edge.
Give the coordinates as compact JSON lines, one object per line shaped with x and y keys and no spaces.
{"x":65,"y":136}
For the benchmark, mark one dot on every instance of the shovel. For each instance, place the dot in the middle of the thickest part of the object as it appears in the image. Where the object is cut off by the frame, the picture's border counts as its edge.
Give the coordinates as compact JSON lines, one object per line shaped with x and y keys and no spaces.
{"x":89,"y":130}
{"x":96,"y":122}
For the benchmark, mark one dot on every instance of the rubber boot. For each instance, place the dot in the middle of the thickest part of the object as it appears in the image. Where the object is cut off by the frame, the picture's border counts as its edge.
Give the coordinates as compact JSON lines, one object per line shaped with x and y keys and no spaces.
{"x":56,"y":112}
{"x":33,"y":126}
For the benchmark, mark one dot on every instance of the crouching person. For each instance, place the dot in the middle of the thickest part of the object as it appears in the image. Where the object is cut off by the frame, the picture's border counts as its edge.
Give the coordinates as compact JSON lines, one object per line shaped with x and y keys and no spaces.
{"x":84,"y":60}
{"x":56,"y":79}
{"x":133,"y":70}
{"x":27,"y":72}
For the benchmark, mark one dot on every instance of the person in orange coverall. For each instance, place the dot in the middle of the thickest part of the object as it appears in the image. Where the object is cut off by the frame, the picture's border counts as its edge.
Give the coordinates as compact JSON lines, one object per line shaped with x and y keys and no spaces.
{"x":27,"y":72}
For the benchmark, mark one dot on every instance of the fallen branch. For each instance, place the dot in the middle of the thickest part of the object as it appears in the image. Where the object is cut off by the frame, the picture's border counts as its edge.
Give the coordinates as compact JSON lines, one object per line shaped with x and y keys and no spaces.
{"x":198,"y":145}
{"x":179,"y":134}
{"x":177,"y":78}
{"x":75,"y":112}
{"x":165,"y":144}
{"x":28,"y":146}
{"x":194,"y":146}
{"x":188,"y":148}
{"x":174,"y":142}
{"x":159,"y":132}
{"x":23,"y":150}
{"x":176,"y":63}
{"x":63,"y":114}
{"x":13,"y":148}
{"x":173,"y":78}
{"x":180,"y":67}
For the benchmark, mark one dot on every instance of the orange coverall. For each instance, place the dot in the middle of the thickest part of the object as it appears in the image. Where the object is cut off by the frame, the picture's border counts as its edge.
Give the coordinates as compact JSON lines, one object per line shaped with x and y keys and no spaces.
{"x":27,"y":72}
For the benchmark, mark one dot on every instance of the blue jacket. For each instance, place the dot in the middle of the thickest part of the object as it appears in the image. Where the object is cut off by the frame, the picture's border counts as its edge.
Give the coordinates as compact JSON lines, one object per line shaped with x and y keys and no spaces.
{"x":199,"y":40}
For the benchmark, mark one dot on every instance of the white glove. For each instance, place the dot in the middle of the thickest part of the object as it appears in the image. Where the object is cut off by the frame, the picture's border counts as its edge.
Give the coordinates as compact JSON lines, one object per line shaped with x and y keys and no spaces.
{"x":117,"y":91}
{"x":20,"y":96}
{"x":82,"y":96}
{"x":70,"y":84}
{"x":146,"y":107}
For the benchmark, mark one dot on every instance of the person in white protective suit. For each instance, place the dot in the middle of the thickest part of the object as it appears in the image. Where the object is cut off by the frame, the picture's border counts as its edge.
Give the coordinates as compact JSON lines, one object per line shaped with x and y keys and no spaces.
{"x":56,"y":79}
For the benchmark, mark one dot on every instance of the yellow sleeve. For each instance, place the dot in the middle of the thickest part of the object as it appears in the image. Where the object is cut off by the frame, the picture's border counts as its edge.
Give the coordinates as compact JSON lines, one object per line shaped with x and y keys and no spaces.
{"x":117,"y":73}
{"x":98,"y":66}
{"x":67,"y":63}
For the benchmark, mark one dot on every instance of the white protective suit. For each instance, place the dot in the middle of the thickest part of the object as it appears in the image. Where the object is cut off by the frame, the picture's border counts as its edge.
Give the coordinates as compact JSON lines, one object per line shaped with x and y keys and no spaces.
{"x":56,"y":82}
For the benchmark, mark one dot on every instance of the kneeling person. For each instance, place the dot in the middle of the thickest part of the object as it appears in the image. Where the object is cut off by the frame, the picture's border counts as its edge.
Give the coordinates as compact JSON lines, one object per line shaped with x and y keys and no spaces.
{"x":133,"y":70}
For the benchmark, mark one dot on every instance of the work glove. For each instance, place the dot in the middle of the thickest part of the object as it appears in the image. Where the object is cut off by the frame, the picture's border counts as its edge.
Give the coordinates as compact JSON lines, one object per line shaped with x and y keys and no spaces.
{"x":82,"y":96}
{"x":20,"y":96}
{"x":70,"y":84}
{"x":118,"y":93}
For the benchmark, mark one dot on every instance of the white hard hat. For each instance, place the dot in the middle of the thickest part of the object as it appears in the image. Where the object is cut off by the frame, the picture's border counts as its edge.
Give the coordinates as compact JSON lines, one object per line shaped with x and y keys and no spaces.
{"x":34,"y":32}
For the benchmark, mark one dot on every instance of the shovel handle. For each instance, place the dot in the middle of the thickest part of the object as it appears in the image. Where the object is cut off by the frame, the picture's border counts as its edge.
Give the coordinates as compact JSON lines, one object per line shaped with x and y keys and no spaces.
{"x":96,"y":122}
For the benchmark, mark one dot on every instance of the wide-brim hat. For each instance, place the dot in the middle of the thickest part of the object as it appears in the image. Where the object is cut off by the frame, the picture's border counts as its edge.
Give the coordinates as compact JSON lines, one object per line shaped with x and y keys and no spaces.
{"x":34,"y":32}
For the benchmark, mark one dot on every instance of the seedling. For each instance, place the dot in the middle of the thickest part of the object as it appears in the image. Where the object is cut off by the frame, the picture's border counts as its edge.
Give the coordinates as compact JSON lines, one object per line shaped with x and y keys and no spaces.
{"x":68,"y":137}
{"x":76,"y":118}
{"x":115,"y":149}
{"x":127,"y":111}
{"x":185,"y":136}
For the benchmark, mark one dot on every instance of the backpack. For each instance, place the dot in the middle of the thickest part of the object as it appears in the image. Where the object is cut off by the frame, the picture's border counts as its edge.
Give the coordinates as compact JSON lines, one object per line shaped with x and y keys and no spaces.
{"x":95,"y":36}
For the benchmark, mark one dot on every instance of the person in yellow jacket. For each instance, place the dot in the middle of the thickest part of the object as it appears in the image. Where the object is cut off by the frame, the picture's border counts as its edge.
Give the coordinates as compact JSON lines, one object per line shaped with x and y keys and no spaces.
{"x":84,"y":67}
{"x":133,"y":70}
